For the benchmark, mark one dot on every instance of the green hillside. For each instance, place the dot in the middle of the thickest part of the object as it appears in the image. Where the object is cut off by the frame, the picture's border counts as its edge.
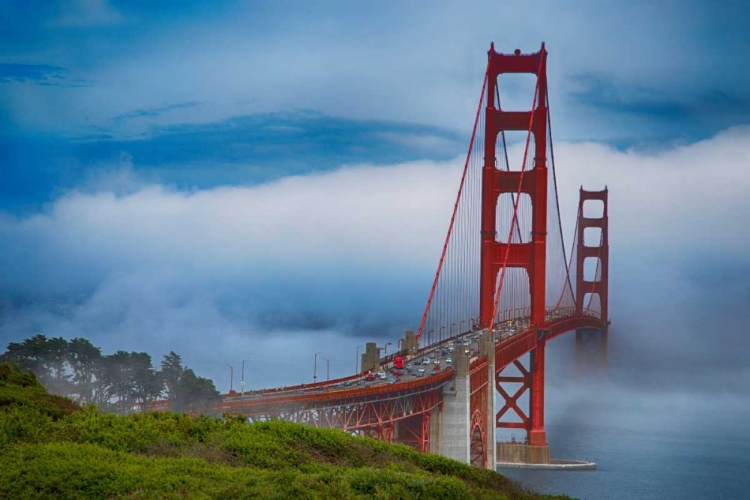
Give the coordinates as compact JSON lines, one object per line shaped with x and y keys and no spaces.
{"x":51,"y":448}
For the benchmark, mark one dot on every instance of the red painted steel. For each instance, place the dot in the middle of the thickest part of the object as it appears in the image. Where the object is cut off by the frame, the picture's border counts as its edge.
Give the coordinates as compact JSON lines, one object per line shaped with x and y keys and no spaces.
{"x":511,"y":401}
{"x":479,"y":387}
{"x":402,"y":411}
{"x":376,"y":415}
{"x":478,"y":443}
{"x":531,"y":257}
{"x":601,"y":252}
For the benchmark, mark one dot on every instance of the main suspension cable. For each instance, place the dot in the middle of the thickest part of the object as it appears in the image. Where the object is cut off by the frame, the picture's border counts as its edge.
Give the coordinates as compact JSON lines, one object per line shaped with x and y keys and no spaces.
{"x":455,"y":208}
{"x":557,"y":196}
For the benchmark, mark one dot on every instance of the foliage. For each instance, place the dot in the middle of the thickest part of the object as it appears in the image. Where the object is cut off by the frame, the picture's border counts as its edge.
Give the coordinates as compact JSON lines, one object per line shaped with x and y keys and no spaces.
{"x":195,"y":392}
{"x":171,"y":369}
{"x":69,"y":453}
{"x":26,"y":410}
{"x":116,"y":382}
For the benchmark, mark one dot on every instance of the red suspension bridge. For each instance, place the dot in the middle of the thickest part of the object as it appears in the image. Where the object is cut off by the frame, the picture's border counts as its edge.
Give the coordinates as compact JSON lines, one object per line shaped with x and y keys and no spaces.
{"x":505,"y":285}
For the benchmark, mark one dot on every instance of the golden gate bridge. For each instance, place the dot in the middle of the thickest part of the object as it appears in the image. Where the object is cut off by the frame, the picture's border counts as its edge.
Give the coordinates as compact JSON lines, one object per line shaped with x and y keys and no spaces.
{"x":505,"y":285}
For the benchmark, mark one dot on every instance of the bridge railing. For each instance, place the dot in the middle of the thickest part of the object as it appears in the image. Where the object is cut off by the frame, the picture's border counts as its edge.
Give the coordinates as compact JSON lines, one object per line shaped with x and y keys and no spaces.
{"x":404,"y":389}
{"x":385,"y":361}
{"x":517,"y":314}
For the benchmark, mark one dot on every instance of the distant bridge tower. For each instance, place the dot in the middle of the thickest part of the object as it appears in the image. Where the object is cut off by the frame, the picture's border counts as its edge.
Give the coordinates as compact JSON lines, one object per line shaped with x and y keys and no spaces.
{"x":592,"y":296}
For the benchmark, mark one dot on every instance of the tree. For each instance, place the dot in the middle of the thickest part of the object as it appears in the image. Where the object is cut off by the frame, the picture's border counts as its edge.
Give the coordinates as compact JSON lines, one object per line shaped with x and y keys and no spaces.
{"x":171,"y":370}
{"x":84,"y":358}
{"x":29,"y":355}
{"x":45,"y":357}
{"x":118,"y":373}
{"x":114,"y":382}
{"x":145,"y":384}
{"x":196,"y":393}
{"x":103,"y":384}
{"x":55,"y":358}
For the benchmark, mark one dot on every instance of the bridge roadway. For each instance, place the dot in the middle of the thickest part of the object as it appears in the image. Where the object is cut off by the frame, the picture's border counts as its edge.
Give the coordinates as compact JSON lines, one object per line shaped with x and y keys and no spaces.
{"x":513,"y":338}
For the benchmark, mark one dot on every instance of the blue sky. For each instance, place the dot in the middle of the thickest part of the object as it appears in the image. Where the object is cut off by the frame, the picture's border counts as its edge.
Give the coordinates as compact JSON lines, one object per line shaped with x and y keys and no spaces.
{"x":135,"y":135}
{"x":236,"y":92}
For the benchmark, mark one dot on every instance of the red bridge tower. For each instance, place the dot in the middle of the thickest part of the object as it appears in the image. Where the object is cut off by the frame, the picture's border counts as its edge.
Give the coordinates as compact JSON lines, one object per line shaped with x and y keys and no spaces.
{"x":592,"y":296}
{"x":529,"y":256}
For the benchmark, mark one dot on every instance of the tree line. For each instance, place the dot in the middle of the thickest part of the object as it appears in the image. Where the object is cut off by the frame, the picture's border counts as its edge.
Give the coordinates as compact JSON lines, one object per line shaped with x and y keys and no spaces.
{"x":116,"y":382}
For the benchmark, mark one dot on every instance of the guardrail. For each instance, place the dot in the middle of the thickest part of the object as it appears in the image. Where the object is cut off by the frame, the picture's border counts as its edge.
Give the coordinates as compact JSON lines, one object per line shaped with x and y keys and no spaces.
{"x":550,"y":314}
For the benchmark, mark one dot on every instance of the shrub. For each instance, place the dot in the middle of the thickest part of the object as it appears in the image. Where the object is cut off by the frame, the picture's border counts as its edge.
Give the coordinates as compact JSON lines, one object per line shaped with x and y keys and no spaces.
{"x":50,"y":448}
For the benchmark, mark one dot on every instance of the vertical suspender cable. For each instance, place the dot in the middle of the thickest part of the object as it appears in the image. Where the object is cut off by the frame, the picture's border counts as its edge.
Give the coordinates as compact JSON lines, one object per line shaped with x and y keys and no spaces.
{"x":455,"y":208}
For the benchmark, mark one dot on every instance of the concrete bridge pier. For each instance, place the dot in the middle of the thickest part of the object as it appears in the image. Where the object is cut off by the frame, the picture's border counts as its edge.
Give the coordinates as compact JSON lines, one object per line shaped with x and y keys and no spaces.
{"x":487,"y":348}
{"x":453,"y":425}
{"x":410,"y":343}
{"x":370,"y":358}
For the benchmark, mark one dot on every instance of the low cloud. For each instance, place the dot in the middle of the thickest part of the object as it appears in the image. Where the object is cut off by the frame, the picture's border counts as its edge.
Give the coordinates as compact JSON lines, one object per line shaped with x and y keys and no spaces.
{"x":329,"y":261}
{"x":41,"y":74}
{"x":154,"y":111}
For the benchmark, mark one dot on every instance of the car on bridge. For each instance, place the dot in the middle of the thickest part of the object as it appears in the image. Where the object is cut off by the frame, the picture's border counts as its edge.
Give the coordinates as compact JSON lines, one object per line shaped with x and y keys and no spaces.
{"x":370,"y":376}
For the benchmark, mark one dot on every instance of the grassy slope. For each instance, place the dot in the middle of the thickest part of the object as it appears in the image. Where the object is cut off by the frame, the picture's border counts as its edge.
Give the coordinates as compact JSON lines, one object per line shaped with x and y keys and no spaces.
{"x":50,"y":448}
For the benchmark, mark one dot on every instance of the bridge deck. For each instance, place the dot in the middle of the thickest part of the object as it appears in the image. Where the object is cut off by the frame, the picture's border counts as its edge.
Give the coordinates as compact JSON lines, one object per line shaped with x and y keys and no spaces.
{"x":513,"y":338}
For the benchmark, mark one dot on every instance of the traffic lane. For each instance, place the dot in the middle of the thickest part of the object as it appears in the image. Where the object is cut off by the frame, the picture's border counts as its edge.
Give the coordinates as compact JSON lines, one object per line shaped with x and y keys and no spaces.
{"x":442,"y":353}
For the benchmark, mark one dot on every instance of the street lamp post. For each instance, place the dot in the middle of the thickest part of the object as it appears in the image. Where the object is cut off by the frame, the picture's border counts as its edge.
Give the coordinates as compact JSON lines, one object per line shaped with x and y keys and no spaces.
{"x":328,"y":368}
{"x":242,"y":384}
{"x":385,"y":347}
{"x":441,"y":332}
{"x":315,"y":370}
{"x":356,"y":366}
{"x":231,"y":377}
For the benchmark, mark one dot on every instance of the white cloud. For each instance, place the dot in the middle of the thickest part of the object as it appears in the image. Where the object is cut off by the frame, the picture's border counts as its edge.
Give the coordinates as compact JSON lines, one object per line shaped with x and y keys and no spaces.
{"x":363,"y":63}
{"x":688,"y":199}
{"x":360,"y":215}
{"x":159,"y":267}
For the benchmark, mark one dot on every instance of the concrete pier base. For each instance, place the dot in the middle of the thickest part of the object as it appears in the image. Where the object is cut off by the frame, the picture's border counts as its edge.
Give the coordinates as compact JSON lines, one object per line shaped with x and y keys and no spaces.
{"x":524,"y":456}
{"x":522,"y":453}
{"x":537,"y":454}
{"x":555,"y":464}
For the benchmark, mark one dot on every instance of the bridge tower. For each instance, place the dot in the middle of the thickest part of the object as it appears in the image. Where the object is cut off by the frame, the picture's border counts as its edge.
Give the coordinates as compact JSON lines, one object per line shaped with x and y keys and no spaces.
{"x":530,"y":256}
{"x":591,"y":345}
